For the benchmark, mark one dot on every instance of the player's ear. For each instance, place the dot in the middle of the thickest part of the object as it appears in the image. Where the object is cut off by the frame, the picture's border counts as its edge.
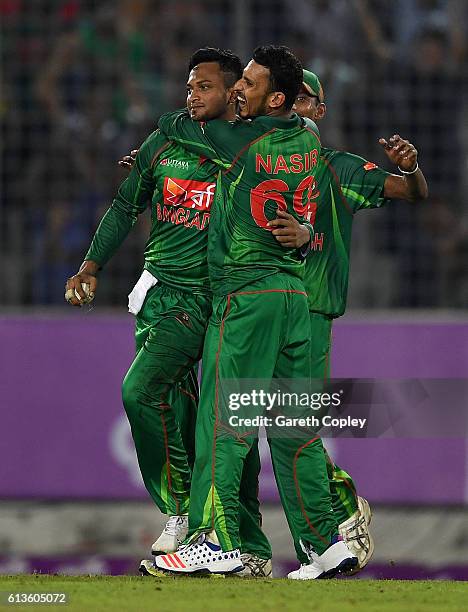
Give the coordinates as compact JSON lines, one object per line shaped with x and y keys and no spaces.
{"x":321,"y":110}
{"x":276,"y":99}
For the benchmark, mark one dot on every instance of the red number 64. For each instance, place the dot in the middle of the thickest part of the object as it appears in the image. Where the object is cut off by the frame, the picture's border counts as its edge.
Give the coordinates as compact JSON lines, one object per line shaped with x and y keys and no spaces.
{"x":271,"y":190}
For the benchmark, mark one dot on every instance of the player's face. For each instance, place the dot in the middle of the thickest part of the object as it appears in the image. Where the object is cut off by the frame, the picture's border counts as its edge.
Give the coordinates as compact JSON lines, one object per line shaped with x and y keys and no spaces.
{"x":253,"y":90}
{"x":309,"y":106}
{"x":207,"y":95}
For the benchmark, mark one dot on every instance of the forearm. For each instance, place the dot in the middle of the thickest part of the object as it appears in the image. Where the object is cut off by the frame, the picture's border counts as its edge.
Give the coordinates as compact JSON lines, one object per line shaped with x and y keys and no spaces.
{"x":416,"y":185}
{"x":89,"y":267}
{"x":411,"y":187}
{"x":112,"y":231}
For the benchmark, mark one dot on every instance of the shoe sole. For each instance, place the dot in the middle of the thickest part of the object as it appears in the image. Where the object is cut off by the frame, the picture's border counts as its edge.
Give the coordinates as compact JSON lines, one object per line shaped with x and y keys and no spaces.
{"x":347,"y":565}
{"x":157,"y":573}
{"x":202,"y":572}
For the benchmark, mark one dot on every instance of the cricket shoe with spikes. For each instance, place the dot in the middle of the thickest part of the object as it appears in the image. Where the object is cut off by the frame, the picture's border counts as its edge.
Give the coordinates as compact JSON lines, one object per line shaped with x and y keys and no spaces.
{"x":355,"y":532}
{"x":148,"y":568}
{"x":203,"y":556}
{"x":174,"y":533}
{"x":337,"y":559}
{"x":255,"y":567}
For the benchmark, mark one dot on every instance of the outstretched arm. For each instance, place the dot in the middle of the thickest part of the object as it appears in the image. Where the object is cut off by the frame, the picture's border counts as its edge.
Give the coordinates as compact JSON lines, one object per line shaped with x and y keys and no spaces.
{"x":131,"y":200}
{"x":412,"y":184}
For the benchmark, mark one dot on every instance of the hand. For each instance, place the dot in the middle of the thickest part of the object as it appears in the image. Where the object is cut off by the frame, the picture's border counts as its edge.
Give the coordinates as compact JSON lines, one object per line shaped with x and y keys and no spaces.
{"x":401,"y":152}
{"x":288,"y":231}
{"x":128,"y":160}
{"x":74,"y":284}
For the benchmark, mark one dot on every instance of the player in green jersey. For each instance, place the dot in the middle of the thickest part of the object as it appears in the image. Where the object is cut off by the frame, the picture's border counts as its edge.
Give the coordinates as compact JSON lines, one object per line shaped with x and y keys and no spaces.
{"x":345,"y":183}
{"x":260,"y":308}
{"x":172,"y":303}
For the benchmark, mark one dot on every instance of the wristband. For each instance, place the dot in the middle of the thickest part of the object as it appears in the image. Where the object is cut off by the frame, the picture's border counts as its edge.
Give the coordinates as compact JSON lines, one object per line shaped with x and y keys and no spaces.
{"x":411,"y":171}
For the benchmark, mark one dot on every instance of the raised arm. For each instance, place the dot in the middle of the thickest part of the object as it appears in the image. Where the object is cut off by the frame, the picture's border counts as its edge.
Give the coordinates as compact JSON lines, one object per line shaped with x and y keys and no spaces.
{"x":411,"y":185}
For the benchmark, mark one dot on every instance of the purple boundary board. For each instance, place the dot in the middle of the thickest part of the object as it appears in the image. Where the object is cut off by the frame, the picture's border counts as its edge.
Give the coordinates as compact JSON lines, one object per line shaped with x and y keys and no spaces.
{"x":64,"y":433}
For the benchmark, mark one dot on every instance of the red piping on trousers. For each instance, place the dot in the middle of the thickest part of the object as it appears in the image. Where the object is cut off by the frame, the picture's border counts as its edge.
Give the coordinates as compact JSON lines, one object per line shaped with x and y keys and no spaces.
{"x":168,"y":462}
{"x":221,"y":332}
{"x":213,"y":455}
{"x":298,"y":490}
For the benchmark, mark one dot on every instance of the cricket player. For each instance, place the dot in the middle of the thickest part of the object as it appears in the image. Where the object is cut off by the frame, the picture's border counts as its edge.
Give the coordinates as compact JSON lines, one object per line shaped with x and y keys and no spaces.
{"x":345,"y":183}
{"x":259,"y":309}
{"x":172,"y":304}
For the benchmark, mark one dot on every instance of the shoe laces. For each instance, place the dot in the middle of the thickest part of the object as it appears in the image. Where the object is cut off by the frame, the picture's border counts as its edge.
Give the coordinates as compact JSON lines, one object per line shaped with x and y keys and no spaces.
{"x":358,"y":528}
{"x":255,"y":564}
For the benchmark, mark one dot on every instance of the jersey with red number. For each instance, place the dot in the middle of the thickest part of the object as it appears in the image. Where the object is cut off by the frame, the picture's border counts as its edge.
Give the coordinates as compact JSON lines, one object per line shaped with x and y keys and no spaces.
{"x":345,"y":184}
{"x":180,"y":187}
{"x":266,"y":164}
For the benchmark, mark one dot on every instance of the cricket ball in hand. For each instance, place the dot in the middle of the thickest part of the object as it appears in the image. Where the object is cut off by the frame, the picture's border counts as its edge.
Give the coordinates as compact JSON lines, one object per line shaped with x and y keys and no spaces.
{"x":88,"y":293}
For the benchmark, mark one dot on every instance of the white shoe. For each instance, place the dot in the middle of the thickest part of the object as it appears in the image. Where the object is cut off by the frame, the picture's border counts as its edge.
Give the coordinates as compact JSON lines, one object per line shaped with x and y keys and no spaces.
{"x":174,"y":533}
{"x":204,"y":556}
{"x":309,"y":571}
{"x":255,"y":567}
{"x":355,"y":532}
{"x":335,"y":560}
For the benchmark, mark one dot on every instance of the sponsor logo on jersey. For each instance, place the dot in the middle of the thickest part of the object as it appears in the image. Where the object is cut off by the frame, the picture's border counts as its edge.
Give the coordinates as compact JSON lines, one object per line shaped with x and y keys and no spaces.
{"x":189,"y":194}
{"x":370,"y":166}
{"x":175,"y":163}
{"x":183,"y":216}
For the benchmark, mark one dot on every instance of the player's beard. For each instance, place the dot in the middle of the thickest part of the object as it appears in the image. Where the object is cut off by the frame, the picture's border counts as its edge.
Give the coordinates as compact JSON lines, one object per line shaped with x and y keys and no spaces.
{"x":263,"y":106}
{"x":214,"y":111}
{"x":259,"y":110}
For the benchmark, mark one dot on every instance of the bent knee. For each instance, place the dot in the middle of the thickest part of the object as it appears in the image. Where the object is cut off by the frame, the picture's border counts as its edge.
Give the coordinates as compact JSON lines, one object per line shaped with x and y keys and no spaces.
{"x":129,"y":395}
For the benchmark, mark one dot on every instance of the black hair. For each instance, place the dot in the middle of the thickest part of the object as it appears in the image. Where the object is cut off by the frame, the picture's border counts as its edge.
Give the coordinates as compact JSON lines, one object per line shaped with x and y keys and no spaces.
{"x":285,"y":70}
{"x":229,"y":63}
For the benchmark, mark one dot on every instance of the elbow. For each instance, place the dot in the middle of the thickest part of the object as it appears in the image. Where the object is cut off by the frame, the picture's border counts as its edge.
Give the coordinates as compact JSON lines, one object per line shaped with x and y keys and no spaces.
{"x":420,"y":194}
{"x":423,"y":194}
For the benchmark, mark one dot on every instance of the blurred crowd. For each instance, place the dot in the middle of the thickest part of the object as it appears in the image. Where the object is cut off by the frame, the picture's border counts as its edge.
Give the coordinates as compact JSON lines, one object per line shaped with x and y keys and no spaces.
{"x":83,"y":82}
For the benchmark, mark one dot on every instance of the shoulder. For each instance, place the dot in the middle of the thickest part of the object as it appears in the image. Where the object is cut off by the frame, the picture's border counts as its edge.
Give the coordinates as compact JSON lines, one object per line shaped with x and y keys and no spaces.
{"x":343,"y":161}
{"x":154,"y":141}
{"x":310,"y":125}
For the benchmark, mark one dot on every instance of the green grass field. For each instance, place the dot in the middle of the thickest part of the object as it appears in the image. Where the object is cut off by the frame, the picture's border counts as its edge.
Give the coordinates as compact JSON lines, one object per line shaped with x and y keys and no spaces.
{"x":209,"y":594}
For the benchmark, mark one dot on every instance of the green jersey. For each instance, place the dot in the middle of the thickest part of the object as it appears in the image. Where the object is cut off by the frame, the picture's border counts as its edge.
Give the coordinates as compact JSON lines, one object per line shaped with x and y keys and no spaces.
{"x":266,"y":164}
{"x":180,"y":186}
{"x":345,"y":183}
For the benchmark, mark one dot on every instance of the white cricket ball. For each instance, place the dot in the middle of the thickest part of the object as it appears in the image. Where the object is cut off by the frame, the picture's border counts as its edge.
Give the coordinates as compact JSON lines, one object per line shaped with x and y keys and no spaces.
{"x":89,"y":294}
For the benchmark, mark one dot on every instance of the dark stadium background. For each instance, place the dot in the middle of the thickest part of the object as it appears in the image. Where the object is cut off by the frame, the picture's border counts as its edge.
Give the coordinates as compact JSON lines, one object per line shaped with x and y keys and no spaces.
{"x":82,"y":83}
